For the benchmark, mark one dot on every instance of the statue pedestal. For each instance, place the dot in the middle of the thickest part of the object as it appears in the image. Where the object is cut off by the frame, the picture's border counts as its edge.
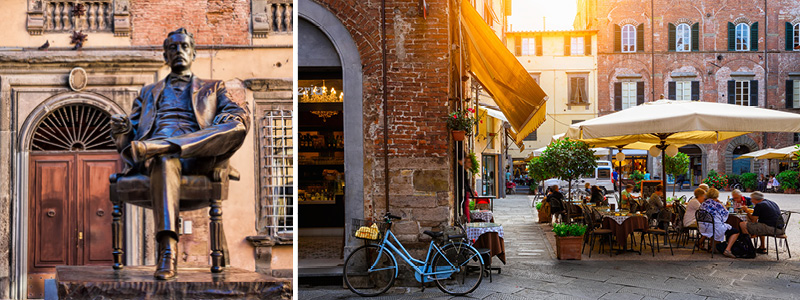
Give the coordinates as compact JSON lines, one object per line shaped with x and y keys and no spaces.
{"x":137,"y":282}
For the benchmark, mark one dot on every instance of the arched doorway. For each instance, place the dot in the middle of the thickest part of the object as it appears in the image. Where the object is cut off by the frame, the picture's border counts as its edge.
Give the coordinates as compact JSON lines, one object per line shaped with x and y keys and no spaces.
{"x":739,"y":166}
{"x":327,"y":55}
{"x":70,"y":157}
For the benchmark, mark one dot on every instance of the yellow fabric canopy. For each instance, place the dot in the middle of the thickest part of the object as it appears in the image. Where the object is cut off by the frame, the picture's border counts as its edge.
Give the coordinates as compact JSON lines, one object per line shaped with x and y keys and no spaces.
{"x":520,"y":99}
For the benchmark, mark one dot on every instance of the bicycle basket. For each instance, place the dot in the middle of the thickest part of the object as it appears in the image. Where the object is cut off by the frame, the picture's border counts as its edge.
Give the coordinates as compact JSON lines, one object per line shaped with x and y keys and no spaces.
{"x":368,"y":230}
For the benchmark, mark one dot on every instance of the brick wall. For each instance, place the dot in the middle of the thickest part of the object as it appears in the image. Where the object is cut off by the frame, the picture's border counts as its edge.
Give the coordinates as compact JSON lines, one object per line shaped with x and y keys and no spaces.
{"x":216,"y":22}
{"x":419,"y":145}
{"x":712,"y":64}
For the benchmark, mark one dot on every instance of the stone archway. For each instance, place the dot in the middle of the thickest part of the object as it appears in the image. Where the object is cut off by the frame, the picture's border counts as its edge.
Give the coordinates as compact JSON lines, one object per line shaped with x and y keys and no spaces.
{"x":352,"y":76}
{"x":745,"y":141}
{"x":20,"y":215}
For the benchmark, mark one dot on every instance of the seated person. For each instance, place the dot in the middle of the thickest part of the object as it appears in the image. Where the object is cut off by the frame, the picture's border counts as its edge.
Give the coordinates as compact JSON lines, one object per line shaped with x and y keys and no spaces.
{"x":692,"y":207}
{"x":656,"y":204}
{"x":556,"y":200}
{"x":703,"y":186}
{"x":765,"y":219}
{"x":739,"y":200}
{"x":627,"y":198}
{"x":597,"y":196}
{"x":719,"y":230}
{"x":586,"y":193}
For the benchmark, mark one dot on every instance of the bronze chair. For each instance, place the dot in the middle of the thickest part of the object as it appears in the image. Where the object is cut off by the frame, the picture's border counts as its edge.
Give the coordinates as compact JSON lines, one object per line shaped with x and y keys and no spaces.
{"x":197,"y":192}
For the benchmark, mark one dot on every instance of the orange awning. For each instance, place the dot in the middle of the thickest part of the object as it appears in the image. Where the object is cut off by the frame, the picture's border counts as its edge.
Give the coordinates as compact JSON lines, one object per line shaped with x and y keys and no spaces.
{"x":520,"y":99}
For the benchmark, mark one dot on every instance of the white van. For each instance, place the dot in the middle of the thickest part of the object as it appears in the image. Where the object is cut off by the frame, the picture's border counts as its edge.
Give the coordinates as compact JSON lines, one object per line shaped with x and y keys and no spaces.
{"x":601,"y":178}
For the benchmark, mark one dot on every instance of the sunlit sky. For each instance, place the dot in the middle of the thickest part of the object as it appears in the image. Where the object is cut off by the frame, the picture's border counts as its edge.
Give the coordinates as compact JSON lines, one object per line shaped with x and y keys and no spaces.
{"x":526,"y":15}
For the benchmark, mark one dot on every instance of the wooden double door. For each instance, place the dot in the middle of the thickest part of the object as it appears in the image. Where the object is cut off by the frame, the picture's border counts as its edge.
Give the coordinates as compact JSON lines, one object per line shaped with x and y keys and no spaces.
{"x":69,"y":212}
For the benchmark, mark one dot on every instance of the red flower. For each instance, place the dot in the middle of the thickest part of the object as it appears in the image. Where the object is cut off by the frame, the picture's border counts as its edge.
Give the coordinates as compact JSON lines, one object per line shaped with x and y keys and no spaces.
{"x":455,"y":117}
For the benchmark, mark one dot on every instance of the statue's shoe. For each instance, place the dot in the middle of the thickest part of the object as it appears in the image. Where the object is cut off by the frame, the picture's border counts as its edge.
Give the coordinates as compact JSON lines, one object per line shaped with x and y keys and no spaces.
{"x":167,"y":266}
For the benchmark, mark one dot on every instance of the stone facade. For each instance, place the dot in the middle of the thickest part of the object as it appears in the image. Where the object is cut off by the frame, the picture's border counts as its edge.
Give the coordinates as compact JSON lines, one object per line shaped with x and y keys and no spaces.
{"x":710,"y":61}
{"x":33,"y":81}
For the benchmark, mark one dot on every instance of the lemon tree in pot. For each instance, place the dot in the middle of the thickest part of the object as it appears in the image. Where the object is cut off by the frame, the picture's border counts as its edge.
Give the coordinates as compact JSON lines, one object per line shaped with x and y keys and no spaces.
{"x":461,"y":123}
{"x":568,"y":240}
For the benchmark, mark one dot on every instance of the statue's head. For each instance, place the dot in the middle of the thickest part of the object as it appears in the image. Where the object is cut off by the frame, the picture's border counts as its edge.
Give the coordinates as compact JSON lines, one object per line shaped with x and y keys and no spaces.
{"x":179,"y":51}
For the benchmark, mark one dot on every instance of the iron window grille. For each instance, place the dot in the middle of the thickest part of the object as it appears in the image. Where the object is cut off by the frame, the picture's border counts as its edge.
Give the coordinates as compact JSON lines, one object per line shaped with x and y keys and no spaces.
{"x":277,"y":174}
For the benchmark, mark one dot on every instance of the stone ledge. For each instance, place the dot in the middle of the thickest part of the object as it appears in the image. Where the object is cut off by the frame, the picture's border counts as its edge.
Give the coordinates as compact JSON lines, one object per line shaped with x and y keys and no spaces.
{"x":137,"y":282}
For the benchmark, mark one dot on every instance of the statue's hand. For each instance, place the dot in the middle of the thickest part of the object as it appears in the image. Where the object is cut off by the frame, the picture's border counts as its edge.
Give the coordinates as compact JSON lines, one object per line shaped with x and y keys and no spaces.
{"x":120,"y":124}
{"x":225,"y":118}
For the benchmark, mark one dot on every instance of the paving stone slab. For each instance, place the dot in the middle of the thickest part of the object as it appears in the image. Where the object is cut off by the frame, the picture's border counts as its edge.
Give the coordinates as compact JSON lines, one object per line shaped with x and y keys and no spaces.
{"x":644,"y":292}
{"x":683,"y":296}
{"x":622,"y":296}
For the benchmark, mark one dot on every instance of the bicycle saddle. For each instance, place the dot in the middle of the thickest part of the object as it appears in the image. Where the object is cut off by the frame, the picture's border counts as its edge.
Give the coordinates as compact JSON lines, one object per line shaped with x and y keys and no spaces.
{"x":433,"y":234}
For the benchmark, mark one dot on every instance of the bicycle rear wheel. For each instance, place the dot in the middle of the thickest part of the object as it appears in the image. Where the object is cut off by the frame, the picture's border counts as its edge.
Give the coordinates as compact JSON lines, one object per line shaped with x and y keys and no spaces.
{"x":368,"y":271}
{"x":468,"y":269}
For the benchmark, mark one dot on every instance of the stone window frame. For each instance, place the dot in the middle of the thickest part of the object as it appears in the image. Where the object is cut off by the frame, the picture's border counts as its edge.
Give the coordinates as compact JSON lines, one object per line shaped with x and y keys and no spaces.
{"x":120,"y":17}
{"x":570,"y":95}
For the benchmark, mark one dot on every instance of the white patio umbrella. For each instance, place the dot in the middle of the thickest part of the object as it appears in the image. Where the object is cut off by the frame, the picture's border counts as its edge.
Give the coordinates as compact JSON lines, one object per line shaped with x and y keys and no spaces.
{"x":782,"y":153}
{"x":754,"y":154}
{"x":670,"y":122}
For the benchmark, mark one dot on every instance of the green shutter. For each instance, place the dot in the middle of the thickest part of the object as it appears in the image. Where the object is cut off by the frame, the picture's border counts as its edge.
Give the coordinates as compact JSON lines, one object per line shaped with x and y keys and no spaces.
{"x":538,"y":42}
{"x":567,"y":45}
{"x":518,"y":45}
{"x":696,"y":37}
{"x":731,"y":37}
{"x":671,"y":39}
{"x":754,"y":37}
{"x":617,"y":95}
{"x":695,"y":90}
{"x":671,"y":90}
{"x":640,"y":38}
{"x":789,"y":36}
{"x":617,"y":38}
{"x":753,"y":92}
{"x":639,"y":92}
{"x":587,"y":45}
{"x":731,"y":91}
{"x":789,"y":93}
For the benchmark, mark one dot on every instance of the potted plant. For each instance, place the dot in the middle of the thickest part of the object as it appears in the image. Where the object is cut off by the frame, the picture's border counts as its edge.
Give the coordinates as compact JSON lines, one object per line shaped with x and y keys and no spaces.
{"x":789,"y":181}
{"x":716,"y":180}
{"x":637,"y":177}
{"x":568,"y":159}
{"x":475,"y":168}
{"x":569,"y":239}
{"x":676,"y":166}
{"x":749,"y":181}
{"x":461,"y":123}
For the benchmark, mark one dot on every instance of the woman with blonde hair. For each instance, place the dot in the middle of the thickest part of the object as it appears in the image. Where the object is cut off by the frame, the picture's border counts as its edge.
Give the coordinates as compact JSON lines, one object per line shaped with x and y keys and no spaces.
{"x":720,"y":230}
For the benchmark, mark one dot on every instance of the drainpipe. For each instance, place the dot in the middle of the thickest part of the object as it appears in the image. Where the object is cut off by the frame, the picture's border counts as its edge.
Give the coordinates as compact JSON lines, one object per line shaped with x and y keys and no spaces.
{"x":766,"y":72}
{"x":653,"y":54}
{"x":385,"y":106}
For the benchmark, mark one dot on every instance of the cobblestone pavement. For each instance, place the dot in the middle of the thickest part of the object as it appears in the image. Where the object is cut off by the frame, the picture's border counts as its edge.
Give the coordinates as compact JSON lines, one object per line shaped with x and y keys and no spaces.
{"x":533,"y":272}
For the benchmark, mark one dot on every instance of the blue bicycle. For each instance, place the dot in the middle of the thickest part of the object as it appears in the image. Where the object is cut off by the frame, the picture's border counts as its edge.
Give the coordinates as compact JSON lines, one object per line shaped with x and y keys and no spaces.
{"x":370,"y":270}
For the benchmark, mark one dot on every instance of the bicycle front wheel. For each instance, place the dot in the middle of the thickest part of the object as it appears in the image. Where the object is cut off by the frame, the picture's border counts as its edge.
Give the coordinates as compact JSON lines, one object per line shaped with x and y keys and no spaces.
{"x":465,"y":262}
{"x":369,"y":271}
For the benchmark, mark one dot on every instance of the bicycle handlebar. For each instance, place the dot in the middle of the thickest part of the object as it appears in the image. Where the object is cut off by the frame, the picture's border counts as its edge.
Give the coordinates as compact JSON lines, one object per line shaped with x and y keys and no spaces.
{"x":391,"y":216}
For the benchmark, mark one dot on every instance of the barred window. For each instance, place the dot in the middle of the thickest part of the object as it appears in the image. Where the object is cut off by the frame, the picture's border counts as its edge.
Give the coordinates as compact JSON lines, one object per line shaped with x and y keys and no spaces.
{"x":276,"y":174}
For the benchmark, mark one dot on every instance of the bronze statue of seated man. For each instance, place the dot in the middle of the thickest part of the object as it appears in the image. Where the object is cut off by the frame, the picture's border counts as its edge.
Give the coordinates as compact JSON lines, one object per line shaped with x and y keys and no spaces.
{"x":180,"y":125}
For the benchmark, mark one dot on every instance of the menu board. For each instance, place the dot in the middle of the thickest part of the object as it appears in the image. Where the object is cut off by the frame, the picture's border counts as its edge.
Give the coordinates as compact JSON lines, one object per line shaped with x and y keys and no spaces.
{"x":648,"y":187}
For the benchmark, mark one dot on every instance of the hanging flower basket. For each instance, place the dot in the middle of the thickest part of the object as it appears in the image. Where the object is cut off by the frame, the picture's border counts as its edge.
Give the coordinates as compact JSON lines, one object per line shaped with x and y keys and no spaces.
{"x":461,"y":123}
{"x":458,"y":135}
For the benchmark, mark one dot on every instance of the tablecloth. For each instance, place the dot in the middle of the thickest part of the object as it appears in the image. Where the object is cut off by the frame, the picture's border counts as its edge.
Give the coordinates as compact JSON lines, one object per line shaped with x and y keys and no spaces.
{"x":621,"y":231}
{"x":494,"y":242}
{"x":475,"y":230}
{"x":483,"y":215}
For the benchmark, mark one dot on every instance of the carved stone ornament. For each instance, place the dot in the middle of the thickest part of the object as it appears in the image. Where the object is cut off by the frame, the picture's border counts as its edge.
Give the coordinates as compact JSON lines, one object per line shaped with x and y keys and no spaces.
{"x":78,"y":79}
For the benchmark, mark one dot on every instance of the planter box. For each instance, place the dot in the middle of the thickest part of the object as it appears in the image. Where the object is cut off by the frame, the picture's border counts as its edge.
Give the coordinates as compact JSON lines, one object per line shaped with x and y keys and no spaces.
{"x":569,"y":247}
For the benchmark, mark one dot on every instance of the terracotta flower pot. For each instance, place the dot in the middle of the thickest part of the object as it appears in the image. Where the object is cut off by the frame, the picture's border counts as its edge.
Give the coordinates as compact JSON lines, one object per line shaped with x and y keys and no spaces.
{"x":569,"y":247}
{"x":458,"y":135}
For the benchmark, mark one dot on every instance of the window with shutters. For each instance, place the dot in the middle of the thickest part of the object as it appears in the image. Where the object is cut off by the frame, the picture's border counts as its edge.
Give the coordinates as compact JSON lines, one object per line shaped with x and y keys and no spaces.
{"x":742,"y":37}
{"x":577,"y":47}
{"x":578,"y":89}
{"x":628,"y":95}
{"x":683,"y":90}
{"x":528,"y":46}
{"x":742,"y":96}
{"x":796,"y":94}
{"x":796,"y":39}
{"x":628,"y":38}
{"x":683,"y":38}
{"x":797,"y":138}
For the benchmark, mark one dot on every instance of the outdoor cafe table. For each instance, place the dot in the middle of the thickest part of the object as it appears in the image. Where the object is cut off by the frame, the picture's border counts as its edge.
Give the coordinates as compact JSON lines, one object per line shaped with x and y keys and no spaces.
{"x":735,"y":219}
{"x":483,"y":215}
{"x":489,"y":236}
{"x":623,"y":225}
